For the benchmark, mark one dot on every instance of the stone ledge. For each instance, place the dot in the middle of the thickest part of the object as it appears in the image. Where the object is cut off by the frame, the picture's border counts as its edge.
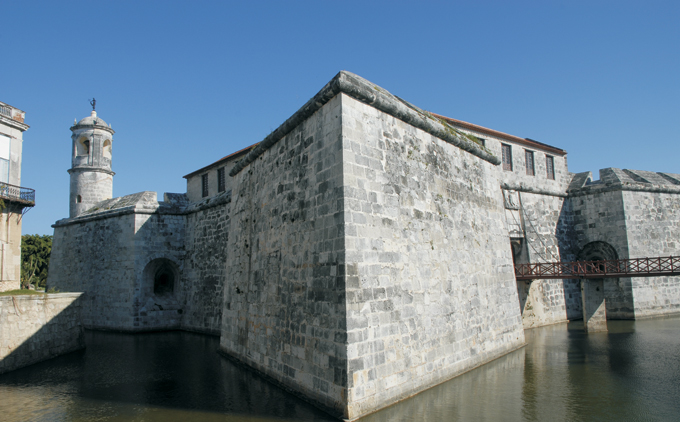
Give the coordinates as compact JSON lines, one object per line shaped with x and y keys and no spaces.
{"x":370,"y":94}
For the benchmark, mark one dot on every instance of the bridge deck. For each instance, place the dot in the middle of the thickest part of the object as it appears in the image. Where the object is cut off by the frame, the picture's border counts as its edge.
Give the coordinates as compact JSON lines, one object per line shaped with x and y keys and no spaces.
{"x":636,"y":267}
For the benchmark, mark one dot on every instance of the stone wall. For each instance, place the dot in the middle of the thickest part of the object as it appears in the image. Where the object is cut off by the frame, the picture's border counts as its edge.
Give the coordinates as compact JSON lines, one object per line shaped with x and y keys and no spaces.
{"x":284,"y":297}
{"x":430,"y":283}
{"x":97,"y":257}
{"x":547,"y":226}
{"x":113,"y":254}
{"x":205,"y":264}
{"x":653,"y":228}
{"x":38,"y":327}
{"x":158,"y":243}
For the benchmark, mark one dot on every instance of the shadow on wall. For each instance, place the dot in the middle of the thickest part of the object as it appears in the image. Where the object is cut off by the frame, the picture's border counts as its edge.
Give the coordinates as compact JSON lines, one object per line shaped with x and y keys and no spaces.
{"x":564,"y":232}
{"x":38,"y":327}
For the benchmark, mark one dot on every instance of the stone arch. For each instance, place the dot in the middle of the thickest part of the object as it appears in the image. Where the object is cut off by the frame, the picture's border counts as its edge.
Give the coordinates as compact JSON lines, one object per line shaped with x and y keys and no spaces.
{"x":597,"y":251}
{"x":106,"y":149}
{"x":161,"y":277}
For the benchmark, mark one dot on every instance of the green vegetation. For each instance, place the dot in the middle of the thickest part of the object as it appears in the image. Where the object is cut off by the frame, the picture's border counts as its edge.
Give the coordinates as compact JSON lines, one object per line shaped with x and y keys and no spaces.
{"x":20,"y":292}
{"x":35,"y":259}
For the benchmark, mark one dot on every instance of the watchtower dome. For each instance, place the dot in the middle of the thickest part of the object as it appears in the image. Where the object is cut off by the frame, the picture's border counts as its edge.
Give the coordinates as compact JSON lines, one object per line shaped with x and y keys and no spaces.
{"x":91,"y":175}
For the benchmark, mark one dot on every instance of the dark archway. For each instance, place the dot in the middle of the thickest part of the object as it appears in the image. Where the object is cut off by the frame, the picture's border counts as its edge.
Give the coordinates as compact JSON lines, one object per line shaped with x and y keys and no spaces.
{"x":597,"y":251}
{"x":161,"y":276}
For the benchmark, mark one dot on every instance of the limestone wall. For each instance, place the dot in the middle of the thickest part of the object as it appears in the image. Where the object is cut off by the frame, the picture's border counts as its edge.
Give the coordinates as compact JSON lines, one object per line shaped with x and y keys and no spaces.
{"x":430,"y":284}
{"x":38,"y":327}
{"x":653,"y":228}
{"x":97,"y":257}
{"x":547,"y":226}
{"x":284,"y":297}
{"x":205,"y":265}
{"x":158,"y":243}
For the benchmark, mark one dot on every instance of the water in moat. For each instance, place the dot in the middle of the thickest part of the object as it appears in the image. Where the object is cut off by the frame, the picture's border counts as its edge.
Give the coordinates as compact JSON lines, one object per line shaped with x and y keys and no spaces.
{"x":630,"y":373}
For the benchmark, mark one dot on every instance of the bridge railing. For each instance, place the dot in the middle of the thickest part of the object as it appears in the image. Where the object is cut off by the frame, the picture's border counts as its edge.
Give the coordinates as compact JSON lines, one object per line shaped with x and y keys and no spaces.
{"x":635,"y":267}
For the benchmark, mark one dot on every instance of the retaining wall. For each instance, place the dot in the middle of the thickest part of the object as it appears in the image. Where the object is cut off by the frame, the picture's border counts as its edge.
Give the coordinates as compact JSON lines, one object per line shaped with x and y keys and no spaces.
{"x":38,"y":327}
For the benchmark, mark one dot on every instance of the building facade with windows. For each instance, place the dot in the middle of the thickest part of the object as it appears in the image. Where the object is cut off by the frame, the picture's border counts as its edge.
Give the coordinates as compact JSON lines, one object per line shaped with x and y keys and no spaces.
{"x":364,"y":250}
{"x":14,"y":199}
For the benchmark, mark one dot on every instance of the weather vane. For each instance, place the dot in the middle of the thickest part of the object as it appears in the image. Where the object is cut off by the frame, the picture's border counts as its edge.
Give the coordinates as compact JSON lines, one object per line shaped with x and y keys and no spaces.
{"x":93,"y":103}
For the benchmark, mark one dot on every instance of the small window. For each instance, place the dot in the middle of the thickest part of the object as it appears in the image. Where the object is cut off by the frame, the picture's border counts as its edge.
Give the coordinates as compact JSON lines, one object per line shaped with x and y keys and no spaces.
{"x":83,"y":147}
{"x":204,"y":184}
{"x":529,"y":157}
{"x":220,"y":180}
{"x":550,"y":167}
{"x":507,"y":157}
{"x":482,"y":141}
{"x":79,"y":199}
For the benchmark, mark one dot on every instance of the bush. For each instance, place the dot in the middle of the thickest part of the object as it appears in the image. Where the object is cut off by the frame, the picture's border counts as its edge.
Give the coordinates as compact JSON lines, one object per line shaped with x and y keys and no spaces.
{"x":35,"y":259}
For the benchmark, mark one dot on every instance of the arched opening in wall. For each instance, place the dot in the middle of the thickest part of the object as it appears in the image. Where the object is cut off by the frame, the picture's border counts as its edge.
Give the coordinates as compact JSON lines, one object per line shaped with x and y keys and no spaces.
{"x":597,"y":251}
{"x":161,"y":277}
{"x":106,"y":149}
{"x":164,"y":282}
{"x":83,"y":146}
{"x":79,"y":199}
{"x":612,"y":289}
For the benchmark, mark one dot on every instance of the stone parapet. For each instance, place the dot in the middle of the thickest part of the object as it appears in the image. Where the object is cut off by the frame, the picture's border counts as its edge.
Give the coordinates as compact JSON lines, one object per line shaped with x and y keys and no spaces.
{"x":38,"y":327}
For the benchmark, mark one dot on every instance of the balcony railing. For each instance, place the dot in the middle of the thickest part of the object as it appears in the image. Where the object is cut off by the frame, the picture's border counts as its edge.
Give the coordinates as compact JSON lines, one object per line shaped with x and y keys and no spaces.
{"x":6,"y":110}
{"x":18,"y":194}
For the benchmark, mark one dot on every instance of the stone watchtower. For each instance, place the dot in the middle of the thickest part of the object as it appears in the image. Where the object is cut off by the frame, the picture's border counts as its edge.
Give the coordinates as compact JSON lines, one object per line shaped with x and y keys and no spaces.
{"x":91,"y":175}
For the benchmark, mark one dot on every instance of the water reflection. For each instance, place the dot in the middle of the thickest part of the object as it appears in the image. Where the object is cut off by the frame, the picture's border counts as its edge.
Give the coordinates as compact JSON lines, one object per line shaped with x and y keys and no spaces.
{"x":630,"y":373}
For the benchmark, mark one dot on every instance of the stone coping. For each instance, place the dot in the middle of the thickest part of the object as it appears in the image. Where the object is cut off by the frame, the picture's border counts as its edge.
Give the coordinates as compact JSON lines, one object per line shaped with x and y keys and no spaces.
{"x":149,"y":208}
{"x":364,"y":91}
{"x":43,"y":296}
{"x":631,"y":187}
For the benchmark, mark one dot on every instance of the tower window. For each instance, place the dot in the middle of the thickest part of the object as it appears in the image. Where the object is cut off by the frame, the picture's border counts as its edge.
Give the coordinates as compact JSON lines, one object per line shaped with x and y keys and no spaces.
{"x":220,"y":180}
{"x":529,"y":158}
{"x":83,"y":147}
{"x":79,"y":199}
{"x":507,"y":157}
{"x":550,"y":167}
{"x":204,"y":184}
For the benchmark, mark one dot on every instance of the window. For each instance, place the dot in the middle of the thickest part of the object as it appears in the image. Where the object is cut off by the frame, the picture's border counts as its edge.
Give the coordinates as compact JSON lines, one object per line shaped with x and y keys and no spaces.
{"x":204,"y":184}
{"x":529,"y":157}
{"x":550,"y":167}
{"x":220,"y":180}
{"x":79,"y":199}
{"x":4,"y":158}
{"x":482,"y":141}
{"x":507,"y":157}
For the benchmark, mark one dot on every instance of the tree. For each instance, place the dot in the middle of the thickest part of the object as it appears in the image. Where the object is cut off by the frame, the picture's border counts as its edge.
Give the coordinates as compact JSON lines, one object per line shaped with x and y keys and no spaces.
{"x":35,"y":259}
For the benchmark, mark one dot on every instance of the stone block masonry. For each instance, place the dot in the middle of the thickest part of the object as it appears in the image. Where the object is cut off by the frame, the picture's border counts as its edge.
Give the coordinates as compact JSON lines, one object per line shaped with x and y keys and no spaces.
{"x":38,"y":327}
{"x":284,"y":293}
{"x":368,"y":259}
{"x":430,"y":286}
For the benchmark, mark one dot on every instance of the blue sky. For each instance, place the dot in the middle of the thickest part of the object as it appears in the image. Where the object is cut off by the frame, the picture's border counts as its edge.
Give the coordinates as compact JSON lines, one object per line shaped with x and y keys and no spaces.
{"x":186,"y":83}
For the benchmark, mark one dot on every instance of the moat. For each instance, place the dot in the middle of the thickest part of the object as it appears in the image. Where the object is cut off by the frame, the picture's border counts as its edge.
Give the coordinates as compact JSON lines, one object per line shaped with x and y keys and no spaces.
{"x":630,"y":373}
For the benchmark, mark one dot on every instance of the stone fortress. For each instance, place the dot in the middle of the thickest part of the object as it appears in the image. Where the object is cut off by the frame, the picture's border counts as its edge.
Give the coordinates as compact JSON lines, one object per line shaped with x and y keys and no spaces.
{"x":363,"y":251}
